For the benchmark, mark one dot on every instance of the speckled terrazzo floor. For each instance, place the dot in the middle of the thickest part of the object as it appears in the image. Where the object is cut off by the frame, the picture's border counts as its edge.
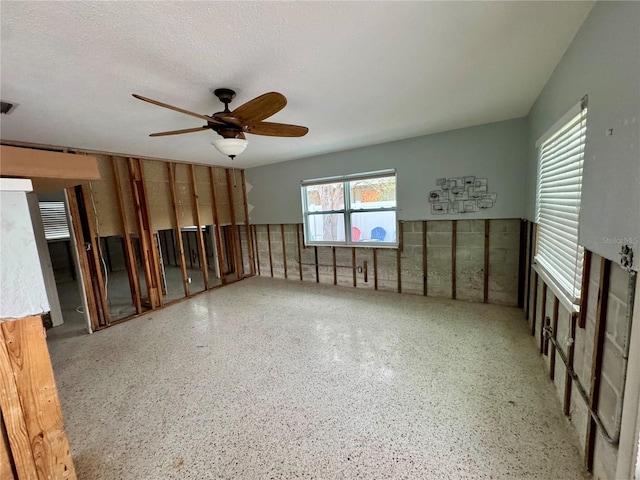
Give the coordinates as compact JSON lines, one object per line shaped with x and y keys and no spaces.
{"x":273,"y":379}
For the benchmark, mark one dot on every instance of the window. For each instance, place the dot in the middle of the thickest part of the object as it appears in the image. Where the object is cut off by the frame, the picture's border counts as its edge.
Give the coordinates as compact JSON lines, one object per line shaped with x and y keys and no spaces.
{"x":350,"y":210}
{"x":54,"y":220}
{"x":560,"y":160}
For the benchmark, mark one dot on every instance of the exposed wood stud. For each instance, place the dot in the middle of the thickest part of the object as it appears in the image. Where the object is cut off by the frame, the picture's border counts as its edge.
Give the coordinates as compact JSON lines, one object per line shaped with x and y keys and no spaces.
{"x":487,"y":226}
{"x":535,"y":303}
{"x":284,"y":251}
{"x":375,"y":269}
{"x":176,"y":219}
{"x":269,"y":245}
{"x":299,"y":250}
{"x":543,"y":317}
{"x":130,"y":258}
{"x":596,"y":362}
{"x":234,"y":233}
{"x":335,"y":269}
{"x":425,"y":278}
{"x":550,"y":345}
{"x":257,"y":249}
{"x":521,"y":263}
{"x":584,"y":288}
{"x":218,"y":227}
{"x":365,"y":271}
{"x":354,"y":266}
{"x":570,"y":354}
{"x":246,"y":222}
{"x":315,"y":250}
{"x":200,"y":238}
{"x":399,"y":255}
{"x":454,"y":247}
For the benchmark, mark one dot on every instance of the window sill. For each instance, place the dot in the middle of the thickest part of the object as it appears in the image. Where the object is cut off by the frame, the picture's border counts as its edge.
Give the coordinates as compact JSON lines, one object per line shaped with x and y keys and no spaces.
{"x":564,"y":299}
{"x":363,"y":244}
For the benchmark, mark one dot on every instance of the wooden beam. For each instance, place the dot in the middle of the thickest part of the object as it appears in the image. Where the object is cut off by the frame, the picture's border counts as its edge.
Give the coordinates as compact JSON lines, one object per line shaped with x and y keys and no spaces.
{"x":257,"y":249}
{"x":375,"y":269}
{"x":269,"y":246}
{"x":284,"y":250}
{"x":216,"y":221}
{"x":200,"y":238}
{"x":335,"y":268}
{"x":14,"y":421}
{"x":554,"y":334}
{"x":234,"y":235}
{"x":568,"y":381}
{"x":246,"y":222}
{"x":26,"y":348}
{"x":535,"y":303}
{"x":299,"y":250}
{"x":176,"y":219}
{"x":596,"y":362}
{"x":130,"y":258}
{"x":454,"y":247}
{"x":487,"y":226}
{"x":584,"y":288}
{"x":425,"y":265}
{"x":399,"y":255}
{"x":353,"y":266}
{"x":7,"y":467}
{"x":543,"y":317}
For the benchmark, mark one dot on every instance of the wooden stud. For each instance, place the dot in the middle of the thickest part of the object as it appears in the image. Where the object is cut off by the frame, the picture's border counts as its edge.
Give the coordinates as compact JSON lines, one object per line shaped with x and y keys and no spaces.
{"x":487,"y":225}
{"x":535,"y":303}
{"x":543,"y":318}
{"x":232,"y":214}
{"x":353,"y":266}
{"x":551,"y":345}
{"x":425,"y":278}
{"x":570,"y":354}
{"x":454,"y":247}
{"x":284,"y":251}
{"x":257,"y":250}
{"x":83,"y":258}
{"x":596,"y":362}
{"x":315,"y":250}
{"x":299,"y":250}
{"x":26,"y":349}
{"x":216,"y":221}
{"x":13,"y":419}
{"x":365,"y":271}
{"x":335,"y":268}
{"x":375,"y":269}
{"x":584,"y":288}
{"x":130,"y":258}
{"x":200,"y":238}
{"x":91,"y":222}
{"x":246,"y":223}
{"x":522,"y":263}
{"x":399,"y":255}
{"x":269,"y":245}
{"x":7,"y":467}
{"x":176,"y":219}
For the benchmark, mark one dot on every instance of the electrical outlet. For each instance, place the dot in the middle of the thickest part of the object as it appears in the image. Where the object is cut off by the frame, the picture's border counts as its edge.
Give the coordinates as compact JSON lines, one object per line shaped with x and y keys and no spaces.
{"x":626,"y":256}
{"x":188,"y":279}
{"x":359,"y":269}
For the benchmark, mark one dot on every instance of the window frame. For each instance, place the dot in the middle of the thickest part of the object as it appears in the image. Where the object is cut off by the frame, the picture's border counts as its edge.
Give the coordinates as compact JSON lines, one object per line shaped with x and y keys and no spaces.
{"x":551,"y":269}
{"x":347,"y":209}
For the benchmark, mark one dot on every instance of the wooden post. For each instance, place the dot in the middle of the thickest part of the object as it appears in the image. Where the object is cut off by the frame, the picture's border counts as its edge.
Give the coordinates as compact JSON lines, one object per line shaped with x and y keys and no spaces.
{"x":284,"y":251}
{"x":454,"y":247}
{"x":176,"y":219}
{"x":596,"y":362}
{"x":570,"y":354}
{"x":299,"y":250}
{"x":425,"y":278}
{"x":30,"y":404}
{"x":584,"y":288}
{"x":269,"y":245}
{"x":335,"y":268}
{"x":130,"y":258}
{"x":234,"y":236}
{"x":552,"y":346}
{"x":201,"y":247}
{"x":399,"y":255}
{"x":216,"y":220}
{"x":487,"y":224}
{"x":246,"y":222}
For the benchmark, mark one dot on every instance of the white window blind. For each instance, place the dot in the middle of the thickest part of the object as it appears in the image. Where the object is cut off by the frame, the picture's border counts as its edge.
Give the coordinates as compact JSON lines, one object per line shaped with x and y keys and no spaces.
{"x":560,"y":161}
{"x":54,"y":219}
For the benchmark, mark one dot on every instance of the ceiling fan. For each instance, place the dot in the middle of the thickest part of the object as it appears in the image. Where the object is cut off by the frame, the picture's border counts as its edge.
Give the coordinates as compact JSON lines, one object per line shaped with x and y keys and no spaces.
{"x":232,"y":125}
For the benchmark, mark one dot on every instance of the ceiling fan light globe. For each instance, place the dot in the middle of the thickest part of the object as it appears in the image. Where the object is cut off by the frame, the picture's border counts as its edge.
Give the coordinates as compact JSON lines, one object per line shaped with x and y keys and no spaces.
{"x":230,"y":147}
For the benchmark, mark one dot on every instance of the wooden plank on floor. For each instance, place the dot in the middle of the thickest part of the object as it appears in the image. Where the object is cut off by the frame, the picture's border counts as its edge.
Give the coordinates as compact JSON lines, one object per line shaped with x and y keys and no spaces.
{"x":284,"y":251}
{"x":584,"y":288}
{"x":487,"y":226}
{"x":31,"y":365}
{"x":232,"y":214}
{"x":424,"y":259}
{"x":14,"y":421}
{"x":454,"y":247}
{"x":216,"y":221}
{"x":176,"y":218}
{"x":554,"y":334}
{"x":130,"y":257}
{"x":596,"y":362}
{"x":199,"y":237}
{"x":245,"y":201}
{"x":269,"y":245}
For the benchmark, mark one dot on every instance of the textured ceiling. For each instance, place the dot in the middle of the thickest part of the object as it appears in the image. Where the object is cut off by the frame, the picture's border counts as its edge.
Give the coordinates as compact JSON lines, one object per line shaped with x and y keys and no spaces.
{"x":355,"y":73}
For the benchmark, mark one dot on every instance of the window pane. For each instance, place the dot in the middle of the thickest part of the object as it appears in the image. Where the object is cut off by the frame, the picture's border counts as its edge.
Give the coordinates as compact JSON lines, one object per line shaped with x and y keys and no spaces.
{"x":373,"y":193}
{"x":325,"y":228}
{"x":373,"y":227}
{"x":329,"y":196}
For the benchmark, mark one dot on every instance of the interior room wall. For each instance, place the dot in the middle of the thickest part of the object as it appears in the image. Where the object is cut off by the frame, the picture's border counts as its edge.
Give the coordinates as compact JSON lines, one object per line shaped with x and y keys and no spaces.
{"x":495,"y":151}
{"x":603,"y":62}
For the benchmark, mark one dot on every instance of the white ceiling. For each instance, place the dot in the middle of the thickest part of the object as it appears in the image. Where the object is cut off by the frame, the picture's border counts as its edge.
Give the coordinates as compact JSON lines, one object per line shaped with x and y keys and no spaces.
{"x":355,"y":73}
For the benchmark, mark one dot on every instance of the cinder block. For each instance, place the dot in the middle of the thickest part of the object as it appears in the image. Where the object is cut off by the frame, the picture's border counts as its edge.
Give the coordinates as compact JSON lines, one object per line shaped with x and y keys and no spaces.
{"x":437,"y":239}
{"x":469,"y":240}
{"x":435,"y":226}
{"x":499,"y":225}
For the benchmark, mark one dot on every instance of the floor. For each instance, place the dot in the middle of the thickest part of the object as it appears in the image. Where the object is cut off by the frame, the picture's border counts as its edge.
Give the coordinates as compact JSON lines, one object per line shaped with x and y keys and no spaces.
{"x":278,"y":379}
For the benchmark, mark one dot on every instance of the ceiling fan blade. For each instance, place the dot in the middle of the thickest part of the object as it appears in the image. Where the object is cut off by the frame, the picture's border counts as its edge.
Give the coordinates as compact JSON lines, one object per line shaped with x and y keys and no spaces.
{"x":178,"y":132}
{"x":260,"y":108}
{"x":277,"y":129}
{"x":176,"y":109}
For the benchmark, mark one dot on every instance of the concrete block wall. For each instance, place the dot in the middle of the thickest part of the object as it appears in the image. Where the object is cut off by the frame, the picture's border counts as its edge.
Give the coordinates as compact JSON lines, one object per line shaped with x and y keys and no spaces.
{"x":611,"y":374}
{"x":503,"y":256}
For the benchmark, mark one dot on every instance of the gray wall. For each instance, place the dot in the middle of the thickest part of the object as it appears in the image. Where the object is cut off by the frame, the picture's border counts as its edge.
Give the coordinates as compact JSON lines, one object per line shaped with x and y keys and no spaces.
{"x":603,"y":61}
{"x":496,"y":151}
